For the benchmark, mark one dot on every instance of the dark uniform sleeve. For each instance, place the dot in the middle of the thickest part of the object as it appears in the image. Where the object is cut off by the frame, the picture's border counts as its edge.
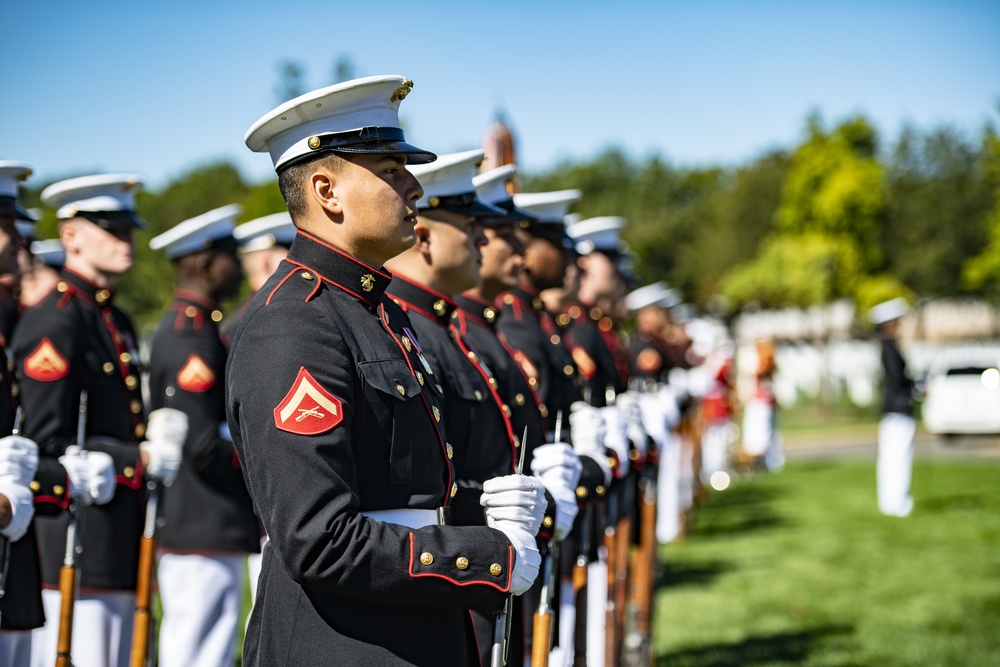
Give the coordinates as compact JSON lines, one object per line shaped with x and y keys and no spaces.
{"x":306,"y":487}
{"x":898,"y":385}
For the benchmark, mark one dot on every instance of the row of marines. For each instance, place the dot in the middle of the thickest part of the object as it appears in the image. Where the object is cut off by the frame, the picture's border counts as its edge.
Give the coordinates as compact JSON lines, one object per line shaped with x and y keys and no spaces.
{"x":396,"y":411}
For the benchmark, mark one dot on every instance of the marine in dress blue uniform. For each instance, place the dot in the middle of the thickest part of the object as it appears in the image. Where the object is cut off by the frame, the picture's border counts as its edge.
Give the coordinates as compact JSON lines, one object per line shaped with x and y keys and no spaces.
{"x":344,"y":450}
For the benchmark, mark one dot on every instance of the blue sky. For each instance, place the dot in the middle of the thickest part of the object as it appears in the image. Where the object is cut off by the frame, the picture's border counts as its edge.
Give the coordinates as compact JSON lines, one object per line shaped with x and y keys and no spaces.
{"x":156,"y":87}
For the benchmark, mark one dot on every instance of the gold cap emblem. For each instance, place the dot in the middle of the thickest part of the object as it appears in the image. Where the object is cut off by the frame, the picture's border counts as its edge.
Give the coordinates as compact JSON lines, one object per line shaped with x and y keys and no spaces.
{"x":401,"y":92}
{"x":314,"y":142}
{"x":367,"y":282}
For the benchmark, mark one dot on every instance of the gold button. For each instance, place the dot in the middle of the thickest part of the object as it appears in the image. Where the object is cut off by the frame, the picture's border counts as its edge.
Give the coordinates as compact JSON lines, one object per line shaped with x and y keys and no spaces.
{"x":306,"y":275}
{"x":532,"y":381}
{"x":450,"y":450}
{"x":479,"y":395}
{"x":136,"y":407}
{"x":543,"y":410}
{"x":420,"y":378}
{"x":554,"y":339}
{"x":519,"y":399}
{"x":492,"y":381}
{"x":125,"y":357}
{"x":35,"y":486}
{"x":10,"y":364}
{"x":547,"y":522}
{"x":407,"y":344}
{"x":190,"y":311}
{"x":506,"y":409}
{"x":438,"y":387}
{"x":612,"y":462}
{"x":490,"y":314}
{"x":109,"y":368}
{"x":426,"y":558}
{"x":462,"y":563}
{"x":537,"y":303}
{"x":140,"y":430}
{"x":58,"y":490}
{"x":131,"y":381}
{"x":633,"y":455}
{"x":601,"y":490}
{"x":472,"y":355}
{"x":216,"y":315}
{"x":454,"y":490}
{"x":102,"y":296}
{"x":437,"y":414}
{"x":401,"y":389}
{"x":495,"y":569}
{"x":596,"y":313}
{"x":129,"y":472}
{"x":15,"y":390}
{"x":508,"y":299}
{"x":567,"y":369}
{"x":562,"y":319}
{"x":581,"y":492}
{"x":517,"y":441}
{"x":62,"y":287}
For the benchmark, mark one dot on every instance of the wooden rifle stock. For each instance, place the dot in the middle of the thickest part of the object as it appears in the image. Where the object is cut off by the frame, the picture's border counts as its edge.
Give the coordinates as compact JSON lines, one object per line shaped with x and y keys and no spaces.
{"x":541,"y":640}
{"x":580,"y":588}
{"x":67,"y":575}
{"x":142,"y":621}
{"x":610,"y":617}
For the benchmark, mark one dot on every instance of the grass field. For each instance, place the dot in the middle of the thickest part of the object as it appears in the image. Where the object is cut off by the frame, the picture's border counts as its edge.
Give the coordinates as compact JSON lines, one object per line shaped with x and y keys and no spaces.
{"x":799,"y":568}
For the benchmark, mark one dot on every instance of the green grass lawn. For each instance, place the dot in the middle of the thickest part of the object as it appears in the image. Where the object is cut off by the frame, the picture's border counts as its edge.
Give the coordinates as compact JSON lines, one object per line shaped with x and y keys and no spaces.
{"x":799,"y":568}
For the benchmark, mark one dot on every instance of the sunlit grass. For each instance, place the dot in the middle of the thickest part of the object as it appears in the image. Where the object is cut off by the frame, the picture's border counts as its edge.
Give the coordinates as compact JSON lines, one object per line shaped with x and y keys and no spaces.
{"x":799,"y":568}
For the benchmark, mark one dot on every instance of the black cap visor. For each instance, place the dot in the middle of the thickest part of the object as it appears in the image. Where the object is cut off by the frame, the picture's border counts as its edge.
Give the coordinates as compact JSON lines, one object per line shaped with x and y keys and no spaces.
{"x":466,"y":203}
{"x":11,"y":209}
{"x":511,"y":216}
{"x":370,"y":140}
{"x":113,"y":220}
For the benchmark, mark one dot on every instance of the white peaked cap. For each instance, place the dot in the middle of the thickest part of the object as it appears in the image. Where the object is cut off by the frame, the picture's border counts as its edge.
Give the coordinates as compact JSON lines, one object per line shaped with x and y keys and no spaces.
{"x":198,"y":233}
{"x":49,"y":252}
{"x":92,"y":194}
{"x":888,"y":311}
{"x":657,"y":294}
{"x":447,"y":184}
{"x":599,"y":233}
{"x":266,"y":232}
{"x":357,"y":116}
{"x":547,"y":207}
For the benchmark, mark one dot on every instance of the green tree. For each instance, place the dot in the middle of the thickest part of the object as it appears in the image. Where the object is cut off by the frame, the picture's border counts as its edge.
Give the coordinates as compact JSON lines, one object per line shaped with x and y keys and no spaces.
{"x":982,"y":271}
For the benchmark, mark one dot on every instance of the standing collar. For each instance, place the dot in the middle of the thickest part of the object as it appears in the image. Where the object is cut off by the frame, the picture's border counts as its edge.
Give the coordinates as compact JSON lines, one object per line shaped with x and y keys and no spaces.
{"x":529,"y":294}
{"x":478,"y":309}
{"x":73,"y":282}
{"x":338,"y":268}
{"x":423,"y":299}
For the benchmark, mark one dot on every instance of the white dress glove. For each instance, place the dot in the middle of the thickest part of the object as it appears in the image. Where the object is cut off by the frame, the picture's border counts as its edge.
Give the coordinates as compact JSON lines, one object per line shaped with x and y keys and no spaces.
{"x":166,"y":431}
{"x":558,"y":468}
{"x":659,"y":414}
{"x":18,"y":464}
{"x":515,"y":505}
{"x":628,"y":406}
{"x":616,"y":436}
{"x":588,"y":435}
{"x":91,"y":475}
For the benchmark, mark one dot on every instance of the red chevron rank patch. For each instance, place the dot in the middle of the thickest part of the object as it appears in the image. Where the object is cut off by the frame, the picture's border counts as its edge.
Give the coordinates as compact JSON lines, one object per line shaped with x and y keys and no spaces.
{"x":584,"y":363}
{"x":46,"y":364}
{"x":196,"y":376}
{"x":308,"y":408}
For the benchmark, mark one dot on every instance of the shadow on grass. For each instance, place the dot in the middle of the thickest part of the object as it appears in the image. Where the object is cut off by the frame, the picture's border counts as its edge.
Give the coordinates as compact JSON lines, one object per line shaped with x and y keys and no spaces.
{"x":957,"y":501}
{"x":740,"y":509}
{"x":674,"y":575}
{"x":789,"y":647}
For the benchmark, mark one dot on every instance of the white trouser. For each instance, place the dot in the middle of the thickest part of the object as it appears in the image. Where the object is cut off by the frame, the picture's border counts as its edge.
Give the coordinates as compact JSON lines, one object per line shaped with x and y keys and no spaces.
{"x":895,"y":463}
{"x":254,"y":562}
{"x":15,"y":648}
{"x":758,"y":427}
{"x":102,"y":630}
{"x":714,"y":443}
{"x":201,"y":598}
{"x":668,"y":490}
{"x":597,"y":608}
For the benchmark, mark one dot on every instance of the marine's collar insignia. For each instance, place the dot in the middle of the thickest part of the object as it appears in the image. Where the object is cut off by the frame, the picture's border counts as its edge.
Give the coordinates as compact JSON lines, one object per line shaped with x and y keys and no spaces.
{"x":308,"y":408}
{"x":367,"y":282}
{"x":440,"y":307}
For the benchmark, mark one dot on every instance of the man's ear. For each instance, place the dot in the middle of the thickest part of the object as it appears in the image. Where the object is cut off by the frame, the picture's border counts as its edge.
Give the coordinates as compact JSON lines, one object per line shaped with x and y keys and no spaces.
{"x":323,"y":189}
{"x":69,"y":235}
{"x":423,"y":242}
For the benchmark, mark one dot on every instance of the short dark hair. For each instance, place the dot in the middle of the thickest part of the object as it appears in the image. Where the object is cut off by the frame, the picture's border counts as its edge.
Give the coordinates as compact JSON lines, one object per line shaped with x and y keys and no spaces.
{"x":292,"y":181}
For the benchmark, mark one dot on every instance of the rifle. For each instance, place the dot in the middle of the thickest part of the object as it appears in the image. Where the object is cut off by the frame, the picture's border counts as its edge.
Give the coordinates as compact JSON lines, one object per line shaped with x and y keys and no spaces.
{"x":142,"y":626}
{"x":501,"y":628}
{"x":541,"y":642}
{"x":67,"y":574}
{"x":580,"y":588}
{"x":5,"y":545}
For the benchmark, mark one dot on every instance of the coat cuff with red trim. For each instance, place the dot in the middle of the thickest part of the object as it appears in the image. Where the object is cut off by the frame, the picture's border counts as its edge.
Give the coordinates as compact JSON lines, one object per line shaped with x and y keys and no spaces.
{"x":50,"y":487}
{"x":460,"y":566}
